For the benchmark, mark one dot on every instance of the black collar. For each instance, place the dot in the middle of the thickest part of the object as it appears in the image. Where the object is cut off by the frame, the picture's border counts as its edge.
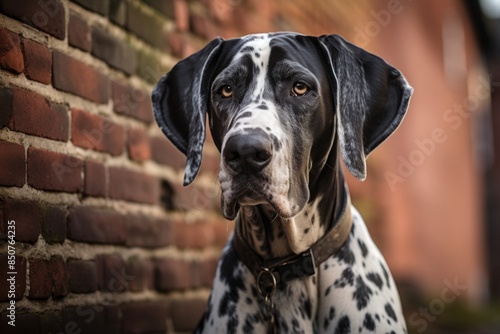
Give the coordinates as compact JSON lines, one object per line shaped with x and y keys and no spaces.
{"x":270,"y":273}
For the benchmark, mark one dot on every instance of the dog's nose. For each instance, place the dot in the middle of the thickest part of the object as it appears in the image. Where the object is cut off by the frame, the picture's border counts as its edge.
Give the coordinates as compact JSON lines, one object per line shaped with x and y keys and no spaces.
{"x":248,"y":154}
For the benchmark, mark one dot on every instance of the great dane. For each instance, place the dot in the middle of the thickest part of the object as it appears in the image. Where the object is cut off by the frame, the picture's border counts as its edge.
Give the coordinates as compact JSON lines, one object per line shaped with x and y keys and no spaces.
{"x":283,"y":108}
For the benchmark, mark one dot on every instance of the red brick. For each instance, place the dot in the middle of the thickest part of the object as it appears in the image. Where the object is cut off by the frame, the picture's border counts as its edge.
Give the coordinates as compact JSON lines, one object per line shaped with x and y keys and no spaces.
{"x":25,"y":323}
{"x":141,"y":272}
{"x":98,"y":6}
{"x":176,"y":42}
{"x":96,"y":318}
{"x":11,"y":56}
{"x":181,"y":12}
{"x":145,"y":25}
{"x":7,"y":103}
{"x":133,"y":102}
{"x":223,"y":230}
{"x":82,"y":276}
{"x":163,"y":152}
{"x":73,"y":76}
{"x":33,"y":114}
{"x":54,"y":171}
{"x":198,"y":234}
{"x":12,"y":164}
{"x":164,"y":7}
{"x":37,"y":61}
{"x":210,"y":165}
{"x":145,"y":317}
{"x":59,"y":276}
{"x":96,"y":133}
{"x":54,"y":224}
{"x":111,"y":273}
{"x":20,"y":277}
{"x":27,"y":217}
{"x":95,"y":225}
{"x":173,"y":274}
{"x":133,"y":186}
{"x":202,"y":25}
{"x":95,"y":179}
{"x":40,"y":280}
{"x":196,"y":196}
{"x":115,"y":52}
{"x":208,"y":268}
{"x":48,"y":16}
{"x":78,"y":32}
{"x":138,"y":144}
{"x":148,"y":232}
{"x":186,"y":313}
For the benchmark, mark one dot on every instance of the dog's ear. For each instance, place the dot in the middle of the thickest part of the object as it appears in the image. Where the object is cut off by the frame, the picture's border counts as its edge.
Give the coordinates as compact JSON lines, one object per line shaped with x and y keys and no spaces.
{"x":180,"y":105}
{"x":371,"y":99}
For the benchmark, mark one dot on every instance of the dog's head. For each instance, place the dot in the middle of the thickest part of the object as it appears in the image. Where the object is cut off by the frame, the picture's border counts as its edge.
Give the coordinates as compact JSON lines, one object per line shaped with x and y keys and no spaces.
{"x":276,"y":105}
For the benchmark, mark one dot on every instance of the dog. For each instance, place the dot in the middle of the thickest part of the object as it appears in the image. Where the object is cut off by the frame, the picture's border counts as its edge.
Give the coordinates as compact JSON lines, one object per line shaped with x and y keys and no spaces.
{"x":283,"y":109}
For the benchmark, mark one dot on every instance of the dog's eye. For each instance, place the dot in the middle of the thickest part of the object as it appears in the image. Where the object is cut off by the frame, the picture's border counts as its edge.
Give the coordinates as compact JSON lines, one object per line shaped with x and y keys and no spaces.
{"x":226,"y":91}
{"x":299,"y":89}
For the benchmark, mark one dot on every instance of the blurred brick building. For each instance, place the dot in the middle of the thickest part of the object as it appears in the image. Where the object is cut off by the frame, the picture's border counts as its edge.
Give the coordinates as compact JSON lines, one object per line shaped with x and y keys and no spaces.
{"x":107,"y":237}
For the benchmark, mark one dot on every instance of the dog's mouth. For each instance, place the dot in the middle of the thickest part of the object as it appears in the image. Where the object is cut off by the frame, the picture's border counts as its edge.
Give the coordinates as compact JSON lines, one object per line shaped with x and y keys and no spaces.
{"x":248,"y":193}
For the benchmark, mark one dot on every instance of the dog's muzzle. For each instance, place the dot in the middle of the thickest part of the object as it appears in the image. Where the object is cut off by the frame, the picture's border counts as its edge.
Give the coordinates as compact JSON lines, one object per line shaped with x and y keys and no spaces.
{"x":248,"y":154}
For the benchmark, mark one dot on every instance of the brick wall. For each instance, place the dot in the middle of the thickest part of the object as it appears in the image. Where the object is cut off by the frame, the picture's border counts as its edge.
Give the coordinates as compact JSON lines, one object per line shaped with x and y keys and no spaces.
{"x":106,"y":237}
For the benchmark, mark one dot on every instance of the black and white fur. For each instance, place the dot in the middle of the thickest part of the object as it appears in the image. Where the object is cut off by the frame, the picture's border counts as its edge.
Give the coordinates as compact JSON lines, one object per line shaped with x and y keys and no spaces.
{"x":281,"y":175}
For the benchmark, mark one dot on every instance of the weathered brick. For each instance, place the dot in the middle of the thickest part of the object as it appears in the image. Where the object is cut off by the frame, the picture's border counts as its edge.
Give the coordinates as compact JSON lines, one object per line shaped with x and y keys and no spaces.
{"x":111,"y":273}
{"x":96,"y":133}
{"x":40,"y":280}
{"x":54,"y":223}
{"x":59,"y":277}
{"x":132,"y":102}
{"x":54,"y":171}
{"x":95,"y":225}
{"x":95,"y":179}
{"x":133,"y":186}
{"x":116,"y":52}
{"x":48,"y":16}
{"x":82,"y":276}
{"x":172,"y":274}
{"x":98,"y":6}
{"x":210,"y":164}
{"x":12,"y":164}
{"x":25,"y":323}
{"x":176,"y":42}
{"x":27,"y":217}
{"x":207,"y":270}
{"x":79,"y":32}
{"x":11,"y":55}
{"x":163,"y":152}
{"x":37,"y":61}
{"x":138,"y":144}
{"x":33,"y":114}
{"x":7,"y":103}
{"x":73,"y":76}
{"x":223,"y":230}
{"x":145,"y":317}
{"x":20,"y":277}
{"x":92,"y":319}
{"x":181,"y":13}
{"x":149,"y":65}
{"x":118,"y":12}
{"x":198,"y":234}
{"x":203,"y":25}
{"x":186,"y":321}
{"x":141,"y":272}
{"x":148,"y":232}
{"x":164,"y":7}
{"x":146,"y":26}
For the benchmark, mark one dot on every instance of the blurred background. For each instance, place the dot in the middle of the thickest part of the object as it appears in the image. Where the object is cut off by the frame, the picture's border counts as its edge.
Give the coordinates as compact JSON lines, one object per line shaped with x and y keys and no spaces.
{"x":107,"y":237}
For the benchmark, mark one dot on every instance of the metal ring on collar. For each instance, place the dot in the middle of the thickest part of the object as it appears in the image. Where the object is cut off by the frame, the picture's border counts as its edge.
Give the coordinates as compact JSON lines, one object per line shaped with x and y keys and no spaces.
{"x":261,"y":288}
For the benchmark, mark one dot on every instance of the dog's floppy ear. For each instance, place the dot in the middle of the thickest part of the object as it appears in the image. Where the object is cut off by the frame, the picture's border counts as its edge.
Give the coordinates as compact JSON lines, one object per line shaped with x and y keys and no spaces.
{"x":371,"y":99}
{"x":180,"y":105}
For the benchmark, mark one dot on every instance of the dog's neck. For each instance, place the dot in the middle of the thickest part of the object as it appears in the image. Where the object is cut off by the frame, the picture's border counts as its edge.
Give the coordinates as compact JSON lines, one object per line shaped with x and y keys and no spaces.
{"x":271,"y":236}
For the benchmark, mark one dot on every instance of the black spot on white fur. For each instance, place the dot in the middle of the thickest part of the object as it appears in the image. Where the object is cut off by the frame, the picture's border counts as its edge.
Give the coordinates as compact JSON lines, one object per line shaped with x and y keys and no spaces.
{"x":362,"y":293}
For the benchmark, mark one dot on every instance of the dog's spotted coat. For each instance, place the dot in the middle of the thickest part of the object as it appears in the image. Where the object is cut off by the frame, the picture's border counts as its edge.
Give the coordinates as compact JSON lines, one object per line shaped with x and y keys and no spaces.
{"x":283,"y":108}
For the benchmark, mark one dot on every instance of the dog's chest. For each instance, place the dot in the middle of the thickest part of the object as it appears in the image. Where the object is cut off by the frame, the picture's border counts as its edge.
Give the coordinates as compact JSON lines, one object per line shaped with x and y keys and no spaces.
{"x":351,"y":292}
